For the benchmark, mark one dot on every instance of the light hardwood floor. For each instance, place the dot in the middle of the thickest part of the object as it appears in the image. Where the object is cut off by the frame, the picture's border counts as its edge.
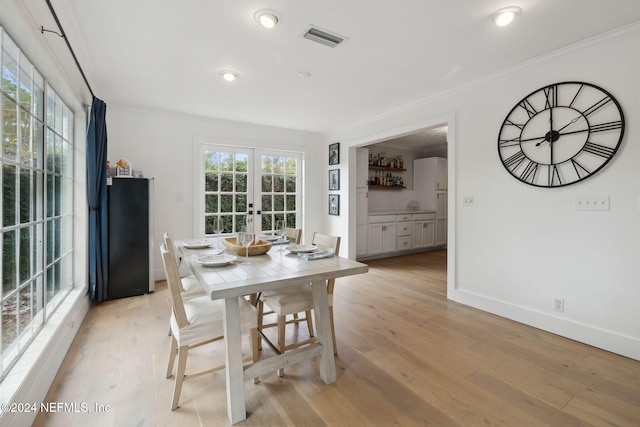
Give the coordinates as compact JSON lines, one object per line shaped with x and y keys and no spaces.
{"x":406,"y":357}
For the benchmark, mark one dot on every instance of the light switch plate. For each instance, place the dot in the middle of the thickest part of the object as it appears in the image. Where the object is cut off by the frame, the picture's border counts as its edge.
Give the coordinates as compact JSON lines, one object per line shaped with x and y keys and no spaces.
{"x":591,"y":203}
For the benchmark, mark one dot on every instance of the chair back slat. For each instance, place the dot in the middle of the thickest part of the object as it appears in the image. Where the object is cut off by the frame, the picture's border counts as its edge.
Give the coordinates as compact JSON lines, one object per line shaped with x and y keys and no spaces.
{"x":175,"y":287}
{"x":293,"y":234}
{"x":329,"y":243}
{"x":168,"y":244}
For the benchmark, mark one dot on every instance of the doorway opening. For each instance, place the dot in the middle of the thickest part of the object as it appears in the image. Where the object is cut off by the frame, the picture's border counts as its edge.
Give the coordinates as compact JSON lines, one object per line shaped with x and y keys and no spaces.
{"x":400,"y":216}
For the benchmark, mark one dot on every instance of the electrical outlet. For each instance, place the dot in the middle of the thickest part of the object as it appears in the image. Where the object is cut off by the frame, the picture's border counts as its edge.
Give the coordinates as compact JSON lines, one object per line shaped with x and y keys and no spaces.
{"x":558,"y":304}
{"x":467,"y":201}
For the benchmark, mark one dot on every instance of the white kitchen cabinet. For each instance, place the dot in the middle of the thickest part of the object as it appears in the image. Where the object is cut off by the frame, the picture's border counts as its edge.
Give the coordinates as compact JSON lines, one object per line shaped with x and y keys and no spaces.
{"x":404,"y":228}
{"x":405,"y":243}
{"x":404,"y":231}
{"x":430,"y":190}
{"x":391,"y":233}
{"x":441,"y":174}
{"x":362,"y":167}
{"x":382,"y":234}
{"x":423,"y":234}
{"x":441,"y":219}
{"x":362,"y":239}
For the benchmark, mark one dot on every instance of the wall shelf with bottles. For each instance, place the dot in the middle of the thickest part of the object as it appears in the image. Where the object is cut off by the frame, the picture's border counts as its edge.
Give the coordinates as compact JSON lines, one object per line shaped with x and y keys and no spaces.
{"x":386,"y":187}
{"x":380,"y":168}
{"x":383,"y":179}
{"x":385,"y":168}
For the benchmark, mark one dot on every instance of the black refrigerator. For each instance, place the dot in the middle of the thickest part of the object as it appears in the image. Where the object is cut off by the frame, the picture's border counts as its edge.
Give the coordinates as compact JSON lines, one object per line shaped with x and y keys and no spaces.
{"x":130,"y":202}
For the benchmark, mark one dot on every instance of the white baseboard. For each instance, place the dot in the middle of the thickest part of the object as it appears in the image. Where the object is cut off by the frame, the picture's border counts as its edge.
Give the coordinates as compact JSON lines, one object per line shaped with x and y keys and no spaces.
{"x":30,"y":379}
{"x":606,"y":340}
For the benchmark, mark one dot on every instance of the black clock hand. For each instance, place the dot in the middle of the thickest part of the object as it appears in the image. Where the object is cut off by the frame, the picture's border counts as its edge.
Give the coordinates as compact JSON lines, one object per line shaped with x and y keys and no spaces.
{"x":575,"y":131}
{"x":570,"y":123}
{"x":543,"y":139}
{"x":556,"y":134}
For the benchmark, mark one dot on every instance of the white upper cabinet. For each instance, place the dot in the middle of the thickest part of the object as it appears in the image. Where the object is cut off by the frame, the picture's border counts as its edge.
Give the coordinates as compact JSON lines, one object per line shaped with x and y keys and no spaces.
{"x":362,"y":167}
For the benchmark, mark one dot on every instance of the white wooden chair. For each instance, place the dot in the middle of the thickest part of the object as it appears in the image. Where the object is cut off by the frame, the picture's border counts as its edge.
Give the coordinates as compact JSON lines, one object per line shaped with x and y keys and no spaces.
{"x":293,"y":235}
{"x":196,"y":322}
{"x":191,"y":288}
{"x":297,"y":299}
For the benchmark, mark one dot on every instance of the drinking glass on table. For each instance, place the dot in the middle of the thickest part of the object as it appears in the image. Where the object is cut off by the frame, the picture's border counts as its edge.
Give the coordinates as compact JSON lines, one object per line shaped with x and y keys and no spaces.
{"x":245,"y":238}
{"x":278,"y":231}
{"x":218,"y":228}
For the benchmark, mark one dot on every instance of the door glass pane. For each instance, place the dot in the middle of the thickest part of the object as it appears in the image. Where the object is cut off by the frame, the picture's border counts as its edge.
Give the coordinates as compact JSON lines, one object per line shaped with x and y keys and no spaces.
{"x":279,"y":189}
{"x":229,"y":178}
{"x":225,"y":187}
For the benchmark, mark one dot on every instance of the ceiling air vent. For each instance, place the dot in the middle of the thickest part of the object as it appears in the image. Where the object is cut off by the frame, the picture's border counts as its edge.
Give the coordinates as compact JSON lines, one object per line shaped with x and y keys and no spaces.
{"x":323,"y":37}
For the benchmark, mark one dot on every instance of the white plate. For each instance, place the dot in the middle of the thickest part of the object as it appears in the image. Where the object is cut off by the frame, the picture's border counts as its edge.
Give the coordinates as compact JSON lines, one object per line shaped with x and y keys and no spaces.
{"x":269,"y":237}
{"x":214,"y":260}
{"x":301,"y":249}
{"x":197,"y":244}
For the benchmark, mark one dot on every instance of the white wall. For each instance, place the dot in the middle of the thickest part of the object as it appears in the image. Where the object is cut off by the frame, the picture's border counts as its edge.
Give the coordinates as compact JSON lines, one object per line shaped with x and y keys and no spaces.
{"x":161,"y":145}
{"x":518,"y":247}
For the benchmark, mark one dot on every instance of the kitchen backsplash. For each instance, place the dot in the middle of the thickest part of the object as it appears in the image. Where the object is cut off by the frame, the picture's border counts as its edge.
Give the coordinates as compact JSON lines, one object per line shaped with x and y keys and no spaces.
{"x":389,"y":200}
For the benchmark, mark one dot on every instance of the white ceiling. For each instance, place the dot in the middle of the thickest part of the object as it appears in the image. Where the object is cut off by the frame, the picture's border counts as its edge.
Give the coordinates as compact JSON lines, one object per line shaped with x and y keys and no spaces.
{"x":168,"y":54}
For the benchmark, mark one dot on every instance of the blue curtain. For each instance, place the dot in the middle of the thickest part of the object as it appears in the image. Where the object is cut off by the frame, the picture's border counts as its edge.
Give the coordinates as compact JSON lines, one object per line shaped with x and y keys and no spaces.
{"x":97,"y":200}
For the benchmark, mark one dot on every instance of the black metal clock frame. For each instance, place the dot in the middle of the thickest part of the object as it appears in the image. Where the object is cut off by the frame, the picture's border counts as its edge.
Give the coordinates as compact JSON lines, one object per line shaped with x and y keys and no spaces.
{"x":561,"y":134}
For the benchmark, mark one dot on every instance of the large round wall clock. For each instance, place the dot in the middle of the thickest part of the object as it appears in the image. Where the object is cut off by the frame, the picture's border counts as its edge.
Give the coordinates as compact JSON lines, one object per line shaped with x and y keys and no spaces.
{"x":561,"y":134}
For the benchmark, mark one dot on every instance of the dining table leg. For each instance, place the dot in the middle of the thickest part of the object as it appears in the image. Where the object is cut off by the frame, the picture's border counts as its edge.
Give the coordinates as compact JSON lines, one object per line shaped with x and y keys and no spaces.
{"x":323,"y":333}
{"x":233,"y":361}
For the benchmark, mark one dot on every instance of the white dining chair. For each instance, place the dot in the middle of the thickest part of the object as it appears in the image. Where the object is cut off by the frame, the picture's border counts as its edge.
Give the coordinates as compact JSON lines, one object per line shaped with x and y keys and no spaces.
{"x":191,"y":288}
{"x":196,"y":322}
{"x":293,"y":235}
{"x":297,"y":299}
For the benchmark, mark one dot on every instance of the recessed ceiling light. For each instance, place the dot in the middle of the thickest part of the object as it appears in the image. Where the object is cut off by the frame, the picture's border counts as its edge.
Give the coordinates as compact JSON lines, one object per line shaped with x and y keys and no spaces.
{"x":229,"y":75}
{"x":267,"y":18}
{"x":504,"y":16}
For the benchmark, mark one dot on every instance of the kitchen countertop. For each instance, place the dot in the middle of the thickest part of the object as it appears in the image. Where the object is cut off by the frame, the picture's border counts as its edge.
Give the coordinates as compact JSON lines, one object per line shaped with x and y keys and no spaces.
{"x":400,"y":212}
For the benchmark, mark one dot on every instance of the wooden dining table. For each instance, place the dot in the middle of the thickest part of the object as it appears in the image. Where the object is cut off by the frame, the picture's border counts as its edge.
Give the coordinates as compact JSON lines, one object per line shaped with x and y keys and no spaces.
{"x":273,"y":270}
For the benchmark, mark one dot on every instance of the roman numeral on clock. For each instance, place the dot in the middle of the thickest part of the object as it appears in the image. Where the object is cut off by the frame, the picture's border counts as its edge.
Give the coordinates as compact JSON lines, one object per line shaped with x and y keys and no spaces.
{"x":551,"y":96}
{"x":554,"y":176}
{"x":515,"y":160}
{"x":598,"y":150}
{"x":526,"y":105}
{"x":606,"y":126}
{"x":529,"y":172}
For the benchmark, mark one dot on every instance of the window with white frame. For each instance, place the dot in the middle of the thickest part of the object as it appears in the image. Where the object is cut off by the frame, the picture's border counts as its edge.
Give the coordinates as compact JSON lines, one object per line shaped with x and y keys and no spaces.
{"x":36,"y":159}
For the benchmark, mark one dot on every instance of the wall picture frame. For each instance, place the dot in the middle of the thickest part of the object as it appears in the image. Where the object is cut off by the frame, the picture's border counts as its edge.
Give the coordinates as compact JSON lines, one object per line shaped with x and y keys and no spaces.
{"x":334,"y":154}
{"x":334,"y":204}
{"x":334,"y":179}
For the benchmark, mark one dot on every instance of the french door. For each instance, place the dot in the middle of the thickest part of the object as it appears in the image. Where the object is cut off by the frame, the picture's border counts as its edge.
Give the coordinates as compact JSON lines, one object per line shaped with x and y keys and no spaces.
{"x":237,"y":183}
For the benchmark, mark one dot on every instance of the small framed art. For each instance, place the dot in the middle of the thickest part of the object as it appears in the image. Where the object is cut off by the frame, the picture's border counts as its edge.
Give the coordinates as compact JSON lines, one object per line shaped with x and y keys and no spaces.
{"x":334,"y":154}
{"x":334,"y":204}
{"x":124,"y":169}
{"x":334,"y":179}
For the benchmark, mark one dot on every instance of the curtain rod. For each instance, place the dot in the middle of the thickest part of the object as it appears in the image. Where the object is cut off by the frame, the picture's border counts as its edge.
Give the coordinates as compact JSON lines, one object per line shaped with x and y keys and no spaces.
{"x":64,"y":36}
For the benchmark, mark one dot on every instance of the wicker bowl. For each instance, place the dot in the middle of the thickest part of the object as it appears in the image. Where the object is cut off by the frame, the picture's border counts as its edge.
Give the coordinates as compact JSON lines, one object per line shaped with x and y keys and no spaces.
{"x":258,"y":247}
